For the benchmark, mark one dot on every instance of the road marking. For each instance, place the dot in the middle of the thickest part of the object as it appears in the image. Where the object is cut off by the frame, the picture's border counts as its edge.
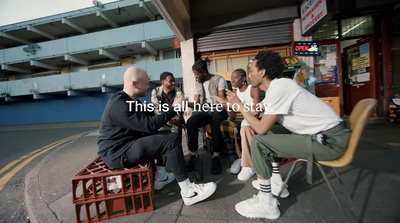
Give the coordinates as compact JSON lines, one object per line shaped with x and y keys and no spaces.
{"x":44,"y":149}
{"x":51,"y":144}
{"x":31,"y":153}
{"x":9,"y":165}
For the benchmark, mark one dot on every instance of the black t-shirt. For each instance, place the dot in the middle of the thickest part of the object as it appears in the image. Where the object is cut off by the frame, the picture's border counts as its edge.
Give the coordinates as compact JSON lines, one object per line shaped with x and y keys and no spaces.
{"x":119,"y":126}
{"x":167,"y":98}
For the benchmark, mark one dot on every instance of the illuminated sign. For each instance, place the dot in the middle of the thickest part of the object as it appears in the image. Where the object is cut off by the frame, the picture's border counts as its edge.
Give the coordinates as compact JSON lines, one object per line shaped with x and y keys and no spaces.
{"x":306,"y":48}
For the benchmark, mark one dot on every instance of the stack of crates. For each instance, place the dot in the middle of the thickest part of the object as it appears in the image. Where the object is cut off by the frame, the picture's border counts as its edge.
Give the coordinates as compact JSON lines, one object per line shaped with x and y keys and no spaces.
{"x":99,"y":193}
{"x":394,"y":110}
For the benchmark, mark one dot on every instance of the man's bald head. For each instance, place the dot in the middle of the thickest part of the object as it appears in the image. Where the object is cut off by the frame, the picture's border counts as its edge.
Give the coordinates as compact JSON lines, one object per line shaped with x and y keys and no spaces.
{"x":134,"y":74}
{"x":136,"y":81}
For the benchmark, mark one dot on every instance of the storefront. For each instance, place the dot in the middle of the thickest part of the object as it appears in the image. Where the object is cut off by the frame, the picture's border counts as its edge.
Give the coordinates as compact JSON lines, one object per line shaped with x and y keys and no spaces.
{"x":348,"y":66}
{"x":355,"y":60}
{"x":358,"y":41}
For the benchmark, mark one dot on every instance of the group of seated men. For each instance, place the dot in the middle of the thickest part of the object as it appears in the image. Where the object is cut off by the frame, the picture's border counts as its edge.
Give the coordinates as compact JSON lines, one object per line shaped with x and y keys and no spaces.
{"x":131,"y":135}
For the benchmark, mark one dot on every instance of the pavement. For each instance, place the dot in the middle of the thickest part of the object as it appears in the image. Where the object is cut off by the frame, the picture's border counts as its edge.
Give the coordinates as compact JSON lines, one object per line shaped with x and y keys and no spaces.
{"x":372,"y":179}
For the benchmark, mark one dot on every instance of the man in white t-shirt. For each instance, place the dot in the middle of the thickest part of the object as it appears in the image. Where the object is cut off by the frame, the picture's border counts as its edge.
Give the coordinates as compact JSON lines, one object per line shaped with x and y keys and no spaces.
{"x":317,"y":131}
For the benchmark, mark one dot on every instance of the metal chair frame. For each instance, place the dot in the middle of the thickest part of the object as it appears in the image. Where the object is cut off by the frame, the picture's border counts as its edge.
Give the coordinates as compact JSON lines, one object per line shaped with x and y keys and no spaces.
{"x":357,"y":120}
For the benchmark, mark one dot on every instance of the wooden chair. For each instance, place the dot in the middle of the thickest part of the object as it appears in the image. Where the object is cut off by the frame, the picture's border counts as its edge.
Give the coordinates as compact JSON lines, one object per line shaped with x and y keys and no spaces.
{"x":358,"y":118}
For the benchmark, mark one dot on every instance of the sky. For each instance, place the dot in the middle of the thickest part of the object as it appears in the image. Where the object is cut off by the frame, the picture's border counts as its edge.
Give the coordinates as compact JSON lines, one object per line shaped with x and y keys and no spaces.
{"x":15,"y":11}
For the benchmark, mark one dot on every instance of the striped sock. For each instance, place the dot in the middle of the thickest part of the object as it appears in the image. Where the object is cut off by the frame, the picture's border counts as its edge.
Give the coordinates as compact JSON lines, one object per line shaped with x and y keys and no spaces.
{"x":265,"y":185}
{"x":265,"y":192}
{"x":275,"y":168}
{"x":276,"y":174}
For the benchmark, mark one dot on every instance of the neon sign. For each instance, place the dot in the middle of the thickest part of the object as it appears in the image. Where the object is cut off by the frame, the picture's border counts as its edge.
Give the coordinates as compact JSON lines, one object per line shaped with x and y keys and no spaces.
{"x":306,"y":48}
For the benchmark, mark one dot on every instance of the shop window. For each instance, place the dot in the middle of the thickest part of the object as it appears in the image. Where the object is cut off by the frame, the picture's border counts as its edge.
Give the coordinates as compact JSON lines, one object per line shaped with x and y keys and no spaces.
{"x":327,"y":31}
{"x":358,"y":26}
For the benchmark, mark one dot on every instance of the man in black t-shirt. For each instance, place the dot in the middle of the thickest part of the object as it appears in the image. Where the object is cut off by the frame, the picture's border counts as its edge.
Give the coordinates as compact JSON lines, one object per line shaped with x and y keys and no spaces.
{"x":165,"y":94}
{"x":162,"y":97}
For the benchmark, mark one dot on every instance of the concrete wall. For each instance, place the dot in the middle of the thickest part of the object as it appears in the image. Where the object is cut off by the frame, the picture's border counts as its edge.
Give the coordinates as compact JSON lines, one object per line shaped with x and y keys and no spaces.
{"x":73,"y":108}
{"x":87,"y":79}
{"x":134,"y":34}
{"x":65,"y":109}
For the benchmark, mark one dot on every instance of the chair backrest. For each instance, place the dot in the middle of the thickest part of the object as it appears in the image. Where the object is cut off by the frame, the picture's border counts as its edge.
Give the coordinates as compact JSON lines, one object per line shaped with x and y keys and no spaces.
{"x":358,"y":118}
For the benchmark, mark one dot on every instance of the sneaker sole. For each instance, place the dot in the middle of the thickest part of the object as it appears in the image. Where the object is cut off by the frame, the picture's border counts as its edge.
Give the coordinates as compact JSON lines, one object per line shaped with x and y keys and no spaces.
{"x":258,"y":215}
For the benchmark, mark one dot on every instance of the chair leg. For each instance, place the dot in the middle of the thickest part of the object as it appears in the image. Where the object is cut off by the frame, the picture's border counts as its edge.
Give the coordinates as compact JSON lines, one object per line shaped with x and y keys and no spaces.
{"x":290,"y":174}
{"x":321,"y":169}
{"x":341,"y":182}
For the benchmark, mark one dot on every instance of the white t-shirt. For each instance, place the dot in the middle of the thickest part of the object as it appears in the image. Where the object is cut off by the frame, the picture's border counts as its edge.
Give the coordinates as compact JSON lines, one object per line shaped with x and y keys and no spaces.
{"x":300,"y":111}
{"x":206,"y":84}
{"x":245,"y":98}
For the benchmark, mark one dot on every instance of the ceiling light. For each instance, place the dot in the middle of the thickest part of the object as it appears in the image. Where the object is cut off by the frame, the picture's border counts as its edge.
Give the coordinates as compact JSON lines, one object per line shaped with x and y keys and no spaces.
{"x":344,"y":33}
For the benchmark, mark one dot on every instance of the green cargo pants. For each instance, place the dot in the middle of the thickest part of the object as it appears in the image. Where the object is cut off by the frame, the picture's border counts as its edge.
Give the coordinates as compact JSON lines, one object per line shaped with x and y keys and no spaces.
{"x":279,"y":142}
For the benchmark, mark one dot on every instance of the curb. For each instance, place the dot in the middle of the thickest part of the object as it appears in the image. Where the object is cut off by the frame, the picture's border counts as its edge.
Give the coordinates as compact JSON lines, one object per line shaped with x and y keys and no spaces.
{"x":37,"y":208}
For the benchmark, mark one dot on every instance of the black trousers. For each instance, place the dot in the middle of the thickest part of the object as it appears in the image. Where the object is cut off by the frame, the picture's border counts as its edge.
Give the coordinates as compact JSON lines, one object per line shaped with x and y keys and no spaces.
{"x":200,"y":119}
{"x":148,"y":148}
{"x":178,"y":130}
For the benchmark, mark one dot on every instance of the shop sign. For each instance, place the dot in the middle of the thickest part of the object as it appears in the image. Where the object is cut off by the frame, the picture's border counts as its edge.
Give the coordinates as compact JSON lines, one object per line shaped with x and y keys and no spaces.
{"x":312,"y":11}
{"x":360,"y":62}
{"x":306,"y":48}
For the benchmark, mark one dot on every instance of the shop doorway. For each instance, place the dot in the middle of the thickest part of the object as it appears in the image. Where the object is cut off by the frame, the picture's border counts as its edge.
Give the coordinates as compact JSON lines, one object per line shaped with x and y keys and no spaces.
{"x":360,"y":73}
{"x":328,"y":71}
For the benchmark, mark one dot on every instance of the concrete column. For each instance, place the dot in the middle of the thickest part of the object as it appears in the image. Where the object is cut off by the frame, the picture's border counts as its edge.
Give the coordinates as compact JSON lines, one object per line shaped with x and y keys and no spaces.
{"x":189,"y":82}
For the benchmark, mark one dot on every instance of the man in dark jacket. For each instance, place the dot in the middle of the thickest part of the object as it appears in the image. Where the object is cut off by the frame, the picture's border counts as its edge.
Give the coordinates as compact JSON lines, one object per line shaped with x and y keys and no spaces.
{"x":129,"y":136}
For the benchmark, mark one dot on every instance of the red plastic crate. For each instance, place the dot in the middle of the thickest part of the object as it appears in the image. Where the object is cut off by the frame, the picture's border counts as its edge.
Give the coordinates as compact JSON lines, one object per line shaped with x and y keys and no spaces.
{"x":99,"y":193}
{"x":115,"y":207}
{"x":285,"y":160}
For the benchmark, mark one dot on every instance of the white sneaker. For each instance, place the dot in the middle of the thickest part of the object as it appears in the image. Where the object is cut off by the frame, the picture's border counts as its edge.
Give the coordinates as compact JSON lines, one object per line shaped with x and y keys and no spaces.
{"x":160,"y":183}
{"x":258,"y":207}
{"x":246,"y":173}
{"x":236,"y":166}
{"x":275,"y":188}
{"x":198,"y":192}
